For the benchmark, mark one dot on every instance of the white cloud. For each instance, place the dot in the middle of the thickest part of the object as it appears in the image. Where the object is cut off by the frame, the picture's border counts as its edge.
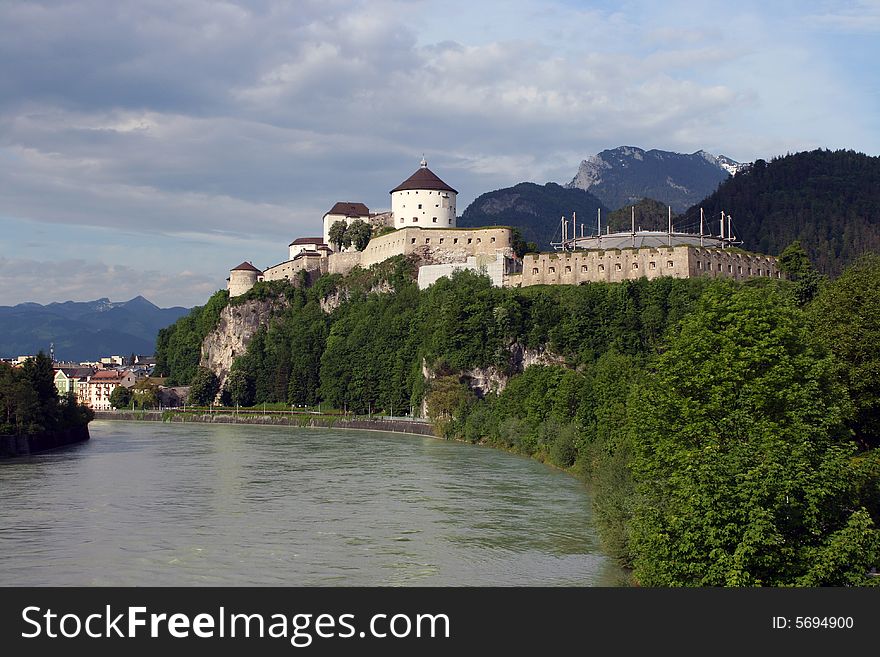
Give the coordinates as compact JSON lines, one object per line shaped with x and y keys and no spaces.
{"x":246,"y":121}
{"x":38,"y":281}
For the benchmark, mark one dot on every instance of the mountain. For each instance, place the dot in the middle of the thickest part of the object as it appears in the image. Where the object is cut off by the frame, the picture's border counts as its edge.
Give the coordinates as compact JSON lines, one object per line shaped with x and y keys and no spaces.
{"x":535,"y":209}
{"x":829,"y":200}
{"x":84,"y":330}
{"x":623,"y":175}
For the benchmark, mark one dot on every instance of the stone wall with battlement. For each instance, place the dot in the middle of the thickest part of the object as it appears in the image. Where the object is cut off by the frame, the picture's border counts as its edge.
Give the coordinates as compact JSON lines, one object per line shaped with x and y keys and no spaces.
{"x":438,"y":245}
{"x":616,"y":265}
{"x":290,"y":268}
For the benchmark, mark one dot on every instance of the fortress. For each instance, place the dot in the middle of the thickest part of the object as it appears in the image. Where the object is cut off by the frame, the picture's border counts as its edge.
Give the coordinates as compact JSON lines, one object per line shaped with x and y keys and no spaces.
{"x":422,"y":223}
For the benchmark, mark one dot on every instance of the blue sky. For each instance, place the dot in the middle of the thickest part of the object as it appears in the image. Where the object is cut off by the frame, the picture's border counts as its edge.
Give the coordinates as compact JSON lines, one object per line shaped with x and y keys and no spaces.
{"x":147,"y":147}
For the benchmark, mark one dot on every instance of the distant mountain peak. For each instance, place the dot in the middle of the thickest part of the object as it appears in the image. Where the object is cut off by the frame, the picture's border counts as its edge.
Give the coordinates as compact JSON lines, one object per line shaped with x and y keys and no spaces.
{"x":625,"y":174}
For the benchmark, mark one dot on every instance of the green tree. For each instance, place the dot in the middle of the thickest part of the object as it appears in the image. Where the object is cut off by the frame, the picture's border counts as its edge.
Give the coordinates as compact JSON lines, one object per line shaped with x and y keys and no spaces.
{"x":240,"y":388}
{"x":203,"y":387}
{"x":359,"y":233}
{"x":795,"y":263}
{"x":742,"y":464}
{"x":339,"y":236}
{"x":845,"y":318}
{"x":120,"y":397}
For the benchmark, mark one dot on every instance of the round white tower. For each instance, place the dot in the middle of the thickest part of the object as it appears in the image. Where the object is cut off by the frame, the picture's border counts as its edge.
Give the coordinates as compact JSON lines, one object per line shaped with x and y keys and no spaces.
{"x":242,"y":279}
{"x":423,"y":201}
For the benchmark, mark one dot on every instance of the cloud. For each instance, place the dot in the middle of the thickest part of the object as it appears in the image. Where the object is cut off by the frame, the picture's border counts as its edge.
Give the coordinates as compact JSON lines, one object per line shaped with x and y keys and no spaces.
{"x":208,"y":123}
{"x":24,"y":280}
{"x":859,"y":17}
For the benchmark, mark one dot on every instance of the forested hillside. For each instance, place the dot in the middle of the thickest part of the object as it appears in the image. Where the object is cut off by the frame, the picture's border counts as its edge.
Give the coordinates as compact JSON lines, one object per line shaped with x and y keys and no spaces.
{"x":728,"y":429}
{"x":829,"y":200}
{"x":535,"y":210}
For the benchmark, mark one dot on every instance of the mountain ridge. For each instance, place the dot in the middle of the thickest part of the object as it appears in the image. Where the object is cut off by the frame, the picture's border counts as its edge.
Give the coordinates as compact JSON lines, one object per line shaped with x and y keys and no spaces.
{"x":622,"y":176}
{"x":84,"y":330}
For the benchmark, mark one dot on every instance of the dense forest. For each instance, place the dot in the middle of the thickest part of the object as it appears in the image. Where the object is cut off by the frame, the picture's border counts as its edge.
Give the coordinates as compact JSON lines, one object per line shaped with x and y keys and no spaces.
{"x":829,"y":200}
{"x":728,"y":430}
{"x":29,"y":402}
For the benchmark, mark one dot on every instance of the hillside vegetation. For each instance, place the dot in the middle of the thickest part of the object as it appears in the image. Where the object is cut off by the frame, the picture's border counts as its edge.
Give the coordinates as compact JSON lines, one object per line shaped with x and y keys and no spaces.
{"x":829,"y":200}
{"x":728,"y":429}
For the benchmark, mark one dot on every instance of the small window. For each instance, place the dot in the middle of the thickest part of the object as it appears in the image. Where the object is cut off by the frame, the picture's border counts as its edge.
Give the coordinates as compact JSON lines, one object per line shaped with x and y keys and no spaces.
{"x":670,"y":264}
{"x":436,"y":205}
{"x":618,"y":267}
{"x":730,"y":268}
{"x":413,"y":241}
{"x":601,"y":267}
{"x":415,"y":219}
{"x":552,"y":270}
{"x":434,"y":220}
{"x":750,"y":271}
{"x":583,"y":268}
{"x":401,"y":220}
{"x":534,"y":270}
{"x":719,"y":266}
{"x":420,"y":206}
{"x":427,"y":240}
{"x":778,"y":275}
{"x":470,"y":240}
{"x":455,"y":240}
{"x":492,"y":240}
{"x":635,"y":265}
{"x":759,"y":272}
{"x":739,"y":270}
{"x":568,"y":270}
{"x":699,"y":265}
{"x":653,"y":265}
{"x":479,"y":240}
{"x":441,"y":240}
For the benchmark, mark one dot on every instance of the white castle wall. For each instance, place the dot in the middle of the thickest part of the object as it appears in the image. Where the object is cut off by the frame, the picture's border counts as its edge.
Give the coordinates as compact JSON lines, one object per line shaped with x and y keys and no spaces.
{"x":494,"y":267}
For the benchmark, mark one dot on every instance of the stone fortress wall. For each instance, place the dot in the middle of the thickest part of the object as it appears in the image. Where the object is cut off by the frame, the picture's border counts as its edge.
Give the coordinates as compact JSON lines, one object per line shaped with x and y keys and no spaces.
{"x":616,"y":265}
{"x":431,"y":245}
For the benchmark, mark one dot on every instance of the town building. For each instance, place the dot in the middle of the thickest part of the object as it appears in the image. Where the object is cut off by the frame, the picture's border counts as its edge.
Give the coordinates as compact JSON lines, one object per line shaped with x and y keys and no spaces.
{"x":67,"y":378}
{"x":102,"y":384}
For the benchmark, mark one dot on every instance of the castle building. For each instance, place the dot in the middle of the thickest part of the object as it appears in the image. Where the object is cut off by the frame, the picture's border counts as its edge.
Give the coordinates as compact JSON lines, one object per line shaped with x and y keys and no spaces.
{"x":242,"y":278}
{"x":423,"y":216}
{"x":343,"y":211}
{"x":423,"y":201}
{"x":307,"y":245}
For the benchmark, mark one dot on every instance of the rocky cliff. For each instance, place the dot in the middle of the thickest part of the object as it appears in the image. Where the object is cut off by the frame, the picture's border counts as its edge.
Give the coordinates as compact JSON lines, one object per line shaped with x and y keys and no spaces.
{"x":624,"y":175}
{"x":234,"y":331}
{"x":485,"y":380}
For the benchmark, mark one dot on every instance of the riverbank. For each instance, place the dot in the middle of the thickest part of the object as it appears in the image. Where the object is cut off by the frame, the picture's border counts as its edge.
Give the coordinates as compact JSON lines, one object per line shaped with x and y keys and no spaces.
{"x":11,"y":446}
{"x":274,"y":419}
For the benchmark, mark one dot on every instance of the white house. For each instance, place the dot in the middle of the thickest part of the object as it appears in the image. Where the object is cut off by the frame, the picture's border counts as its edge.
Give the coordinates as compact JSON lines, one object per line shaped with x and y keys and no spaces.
{"x":301,"y":244}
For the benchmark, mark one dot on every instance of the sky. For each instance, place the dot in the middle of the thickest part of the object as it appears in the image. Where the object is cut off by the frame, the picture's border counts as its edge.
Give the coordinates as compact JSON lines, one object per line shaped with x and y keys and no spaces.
{"x":148,"y":147}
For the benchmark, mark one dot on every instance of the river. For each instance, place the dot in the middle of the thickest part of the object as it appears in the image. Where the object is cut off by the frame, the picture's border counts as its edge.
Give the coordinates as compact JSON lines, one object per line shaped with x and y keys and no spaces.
{"x":152,"y":504}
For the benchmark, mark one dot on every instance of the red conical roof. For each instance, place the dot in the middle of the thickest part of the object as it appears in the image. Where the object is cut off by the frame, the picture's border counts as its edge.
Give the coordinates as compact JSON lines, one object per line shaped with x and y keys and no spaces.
{"x":424,"y":178}
{"x":246,"y":266}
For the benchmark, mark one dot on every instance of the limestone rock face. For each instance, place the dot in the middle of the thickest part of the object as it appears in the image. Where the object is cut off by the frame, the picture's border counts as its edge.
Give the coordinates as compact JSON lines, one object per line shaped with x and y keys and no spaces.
{"x":485,"y":380}
{"x":234,"y":331}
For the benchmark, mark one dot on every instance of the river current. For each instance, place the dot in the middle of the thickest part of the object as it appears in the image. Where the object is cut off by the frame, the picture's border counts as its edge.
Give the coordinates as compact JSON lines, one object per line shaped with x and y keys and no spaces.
{"x":152,"y":504}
